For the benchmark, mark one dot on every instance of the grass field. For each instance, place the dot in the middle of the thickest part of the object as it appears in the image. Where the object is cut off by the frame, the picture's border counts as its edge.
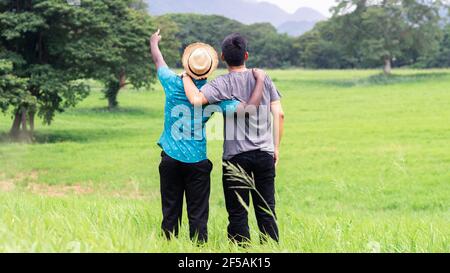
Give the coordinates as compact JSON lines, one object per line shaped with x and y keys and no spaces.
{"x":365,"y":167}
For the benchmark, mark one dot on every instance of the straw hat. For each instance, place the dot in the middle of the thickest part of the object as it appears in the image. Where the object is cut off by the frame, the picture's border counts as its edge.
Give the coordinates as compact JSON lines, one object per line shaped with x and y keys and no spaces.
{"x":200,"y":60}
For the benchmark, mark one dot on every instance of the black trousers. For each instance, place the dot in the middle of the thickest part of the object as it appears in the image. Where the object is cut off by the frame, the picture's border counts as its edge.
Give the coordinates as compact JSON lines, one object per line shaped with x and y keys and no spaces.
{"x":261,"y":165}
{"x":190,"y":179}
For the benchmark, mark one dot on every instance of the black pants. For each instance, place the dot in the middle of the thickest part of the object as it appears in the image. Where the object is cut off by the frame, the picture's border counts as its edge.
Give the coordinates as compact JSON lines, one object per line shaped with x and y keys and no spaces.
{"x":261,"y":165}
{"x":193,"y":179}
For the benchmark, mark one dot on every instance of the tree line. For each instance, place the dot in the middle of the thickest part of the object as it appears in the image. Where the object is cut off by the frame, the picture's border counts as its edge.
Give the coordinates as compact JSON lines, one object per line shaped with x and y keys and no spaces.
{"x":360,"y":34}
{"x":48,"y":47}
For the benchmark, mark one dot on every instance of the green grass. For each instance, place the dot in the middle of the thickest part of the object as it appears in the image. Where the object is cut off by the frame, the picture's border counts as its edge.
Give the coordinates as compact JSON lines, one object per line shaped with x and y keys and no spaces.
{"x":365,"y":166}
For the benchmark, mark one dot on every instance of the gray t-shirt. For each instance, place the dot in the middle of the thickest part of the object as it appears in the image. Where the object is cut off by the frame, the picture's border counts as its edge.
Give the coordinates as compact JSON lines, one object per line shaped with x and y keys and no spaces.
{"x":248,"y":132}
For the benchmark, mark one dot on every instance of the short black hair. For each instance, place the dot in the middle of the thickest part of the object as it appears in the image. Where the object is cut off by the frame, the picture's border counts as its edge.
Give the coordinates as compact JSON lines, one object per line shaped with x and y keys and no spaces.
{"x":234,"y":47}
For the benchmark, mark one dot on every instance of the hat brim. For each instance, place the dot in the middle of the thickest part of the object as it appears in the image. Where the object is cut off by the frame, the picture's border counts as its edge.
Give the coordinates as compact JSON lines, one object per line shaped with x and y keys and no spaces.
{"x":188,"y":51}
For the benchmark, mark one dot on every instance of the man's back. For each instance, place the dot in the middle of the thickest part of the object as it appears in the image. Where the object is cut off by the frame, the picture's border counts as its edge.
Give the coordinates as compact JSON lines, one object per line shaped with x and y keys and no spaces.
{"x":249,"y":132}
{"x":184,"y":137}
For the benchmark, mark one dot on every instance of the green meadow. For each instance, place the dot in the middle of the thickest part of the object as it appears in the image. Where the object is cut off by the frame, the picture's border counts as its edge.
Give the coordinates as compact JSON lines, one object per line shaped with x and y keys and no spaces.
{"x":365,"y":167}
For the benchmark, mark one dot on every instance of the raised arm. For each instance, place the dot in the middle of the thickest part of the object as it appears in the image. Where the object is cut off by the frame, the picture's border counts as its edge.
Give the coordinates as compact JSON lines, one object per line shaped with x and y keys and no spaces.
{"x":157,"y":56}
{"x":278,"y":127}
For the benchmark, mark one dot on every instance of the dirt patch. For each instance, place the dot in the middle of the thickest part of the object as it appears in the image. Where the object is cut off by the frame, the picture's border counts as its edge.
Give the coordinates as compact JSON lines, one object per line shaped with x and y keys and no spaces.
{"x":7,"y":186}
{"x":132,"y":195}
{"x":131,"y":190}
{"x":29,"y":182}
{"x":26,"y":177}
{"x":59,"y":190}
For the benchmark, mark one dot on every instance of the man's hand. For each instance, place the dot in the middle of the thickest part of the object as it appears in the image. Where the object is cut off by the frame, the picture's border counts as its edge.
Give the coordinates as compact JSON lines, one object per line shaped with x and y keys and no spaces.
{"x":276,"y":156}
{"x":278,"y":127}
{"x":257,"y":94}
{"x":259,"y":74}
{"x":155,"y":38}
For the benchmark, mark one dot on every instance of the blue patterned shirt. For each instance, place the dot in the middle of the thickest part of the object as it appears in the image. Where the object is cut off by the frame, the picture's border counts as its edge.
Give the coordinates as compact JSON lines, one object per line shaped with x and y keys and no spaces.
{"x":184,"y":135}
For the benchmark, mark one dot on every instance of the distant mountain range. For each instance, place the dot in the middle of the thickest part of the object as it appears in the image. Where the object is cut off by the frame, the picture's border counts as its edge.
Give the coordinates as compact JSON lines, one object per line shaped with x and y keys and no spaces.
{"x":296,"y":28}
{"x":245,"y":11}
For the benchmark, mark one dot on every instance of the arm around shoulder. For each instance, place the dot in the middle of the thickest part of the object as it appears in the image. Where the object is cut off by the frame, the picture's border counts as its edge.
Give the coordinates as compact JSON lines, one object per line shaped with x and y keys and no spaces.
{"x":194,"y":95}
{"x":257,"y":94}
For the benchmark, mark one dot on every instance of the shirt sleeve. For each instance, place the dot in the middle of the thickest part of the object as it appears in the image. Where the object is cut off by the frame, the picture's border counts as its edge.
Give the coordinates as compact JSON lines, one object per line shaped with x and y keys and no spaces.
{"x":275,"y":95}
{"x":216,"y":91}
{"x":229,"y":105}
{"x":167,"y":78}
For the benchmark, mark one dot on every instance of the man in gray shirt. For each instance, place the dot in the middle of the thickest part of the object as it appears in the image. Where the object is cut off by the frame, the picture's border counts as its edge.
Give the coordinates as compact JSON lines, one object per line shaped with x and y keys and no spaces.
{"x":251,"y":140}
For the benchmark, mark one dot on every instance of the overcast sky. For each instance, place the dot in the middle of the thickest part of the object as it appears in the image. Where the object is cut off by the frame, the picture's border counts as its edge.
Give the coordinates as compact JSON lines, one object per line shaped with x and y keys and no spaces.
{"x":292,"y":5}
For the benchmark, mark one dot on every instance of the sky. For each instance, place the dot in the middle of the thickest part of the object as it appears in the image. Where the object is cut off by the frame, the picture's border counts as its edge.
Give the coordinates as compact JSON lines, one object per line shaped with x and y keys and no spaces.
{"x":292,"y":5}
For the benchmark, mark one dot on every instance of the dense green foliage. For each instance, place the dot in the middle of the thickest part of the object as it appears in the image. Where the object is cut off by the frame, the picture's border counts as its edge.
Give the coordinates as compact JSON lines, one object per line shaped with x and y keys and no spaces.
{"x":385,"y":31}
{"x":366,"y":34}
{"x":129,"y":55}
{"x":49,"y":45}
{"x":361,"y":34}
{"x":13,"y":91}
{"x":440,"y":58}
{"x":267,"y":48}
{"x":364,"y":168}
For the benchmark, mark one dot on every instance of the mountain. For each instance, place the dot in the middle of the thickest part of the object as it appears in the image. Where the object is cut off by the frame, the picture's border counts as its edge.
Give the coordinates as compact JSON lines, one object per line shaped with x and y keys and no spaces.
{"x":296,"y":28}
{"x":245,"y":11}
{"x":308,"y":15}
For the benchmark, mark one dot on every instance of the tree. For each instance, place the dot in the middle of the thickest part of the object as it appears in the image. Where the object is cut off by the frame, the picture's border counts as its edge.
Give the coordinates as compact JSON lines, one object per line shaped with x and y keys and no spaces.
{"x":378,"y":31}
{"x":13,"y":92}
{"x":129,"y":63}
{"x":50,"y":45}
{"x":44,"y":45}
{"x":139,"y":5}
{"x":267,"y":48}
{"x":320,"y":49}
{"x":443,"y":55}
{"x":441,"y":58}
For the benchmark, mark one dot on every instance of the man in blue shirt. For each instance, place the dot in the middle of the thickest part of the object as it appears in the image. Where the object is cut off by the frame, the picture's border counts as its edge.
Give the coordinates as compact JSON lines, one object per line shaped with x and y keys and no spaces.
{"x":185,"y":168}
